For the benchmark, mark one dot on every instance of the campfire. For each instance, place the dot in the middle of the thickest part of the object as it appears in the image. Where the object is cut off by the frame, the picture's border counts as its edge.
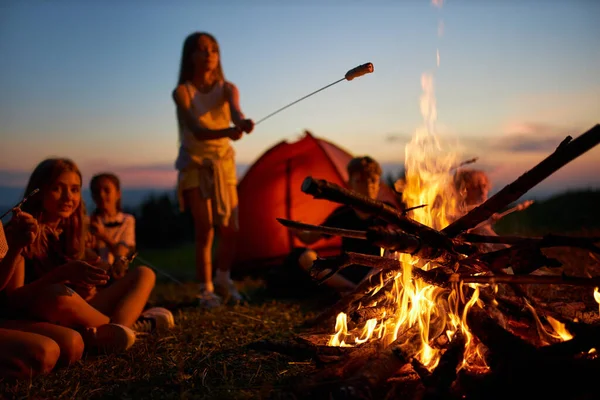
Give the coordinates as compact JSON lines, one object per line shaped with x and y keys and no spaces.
{"x":443,"y":316}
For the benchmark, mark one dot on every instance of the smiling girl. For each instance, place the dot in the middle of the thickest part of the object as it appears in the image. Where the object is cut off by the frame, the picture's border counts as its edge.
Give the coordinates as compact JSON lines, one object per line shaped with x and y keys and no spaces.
{"x":53,"y":268}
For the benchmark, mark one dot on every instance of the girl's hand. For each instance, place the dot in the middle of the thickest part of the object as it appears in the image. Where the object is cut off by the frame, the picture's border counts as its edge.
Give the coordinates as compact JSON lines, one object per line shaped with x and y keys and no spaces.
{"x":21,"y":230}
{"x":247,"y":125}
{"x":80,"y":273}
{"x":86,"y":292}
{"x":97,"y":228}
{"x":235,"y":133}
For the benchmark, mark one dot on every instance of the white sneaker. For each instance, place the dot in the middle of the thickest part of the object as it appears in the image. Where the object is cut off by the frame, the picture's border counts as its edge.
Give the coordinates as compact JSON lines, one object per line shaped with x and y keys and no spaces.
{"x":109,"y":338}
{"x":156,"y":319}
{"x":228,"y":291}
{"x":208,"y":299}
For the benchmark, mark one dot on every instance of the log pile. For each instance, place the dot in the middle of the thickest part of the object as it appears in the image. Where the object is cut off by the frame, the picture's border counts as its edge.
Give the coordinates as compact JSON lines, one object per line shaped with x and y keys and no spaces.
{"x":523,"y":360}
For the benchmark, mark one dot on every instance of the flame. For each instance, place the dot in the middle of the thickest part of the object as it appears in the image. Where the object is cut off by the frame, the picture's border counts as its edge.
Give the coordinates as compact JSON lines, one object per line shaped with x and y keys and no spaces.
{"x":597,"y":298}
{"x":560,"y":329}
{"x":341,"y":327}
{"x":420,"y":307}
{"x":423,"y":313}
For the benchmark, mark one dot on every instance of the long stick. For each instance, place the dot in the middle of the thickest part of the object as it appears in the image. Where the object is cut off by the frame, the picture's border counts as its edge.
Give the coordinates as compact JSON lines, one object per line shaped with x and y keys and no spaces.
{"x":323,"y":229}
{"x":567,"y":151}
{"x":322,"y":189}
{"x":529,"y":280}
{"x":145,"y":262}
{"x":34,"y":191}
{"x":353,"y":73}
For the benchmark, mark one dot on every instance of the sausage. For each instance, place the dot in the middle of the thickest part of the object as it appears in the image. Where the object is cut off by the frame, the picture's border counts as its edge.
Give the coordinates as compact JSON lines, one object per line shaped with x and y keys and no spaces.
{"x":359,"y":71}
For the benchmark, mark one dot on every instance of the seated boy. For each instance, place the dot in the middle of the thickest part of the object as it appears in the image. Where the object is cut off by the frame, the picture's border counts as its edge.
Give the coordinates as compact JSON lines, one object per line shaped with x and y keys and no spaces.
{"x":364,"y":177}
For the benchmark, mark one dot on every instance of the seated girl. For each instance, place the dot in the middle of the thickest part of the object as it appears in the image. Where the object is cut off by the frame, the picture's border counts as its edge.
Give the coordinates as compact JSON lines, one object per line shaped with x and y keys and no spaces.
{"x":29,"y":348}
{"x":113,"y":236}
{"x":113,"y":230}
{"x":53,"y":268}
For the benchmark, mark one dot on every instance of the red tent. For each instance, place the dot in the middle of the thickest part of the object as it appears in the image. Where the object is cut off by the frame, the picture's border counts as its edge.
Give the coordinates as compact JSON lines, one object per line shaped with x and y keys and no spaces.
{"x":271,"y":188}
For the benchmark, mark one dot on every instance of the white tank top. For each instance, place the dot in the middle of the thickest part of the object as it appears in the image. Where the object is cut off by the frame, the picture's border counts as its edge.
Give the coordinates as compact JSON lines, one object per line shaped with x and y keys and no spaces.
{"x":212,"y":111}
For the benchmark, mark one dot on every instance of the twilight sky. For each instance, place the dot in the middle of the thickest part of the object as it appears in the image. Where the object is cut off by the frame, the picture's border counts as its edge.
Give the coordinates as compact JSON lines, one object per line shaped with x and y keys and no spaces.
{"x":92,"y":80}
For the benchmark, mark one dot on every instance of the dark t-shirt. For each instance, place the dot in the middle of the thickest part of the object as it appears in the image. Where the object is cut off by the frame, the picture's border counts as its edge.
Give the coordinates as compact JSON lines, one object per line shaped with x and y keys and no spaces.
{"x":345,"y":217}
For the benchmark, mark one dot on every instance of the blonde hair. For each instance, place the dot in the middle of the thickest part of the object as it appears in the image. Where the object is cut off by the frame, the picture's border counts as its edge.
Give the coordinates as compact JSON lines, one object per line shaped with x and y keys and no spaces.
{"x":44,"y":177}
{"x":467,"y":181}
{"x":365,"y":166}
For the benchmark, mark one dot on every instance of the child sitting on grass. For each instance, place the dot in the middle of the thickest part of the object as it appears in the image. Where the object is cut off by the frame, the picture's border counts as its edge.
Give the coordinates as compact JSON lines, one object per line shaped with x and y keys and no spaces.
{"x":52,"y":269}
{"x":28,"y":348}
{"x":364,"y":174}
{"x":113,"y":240}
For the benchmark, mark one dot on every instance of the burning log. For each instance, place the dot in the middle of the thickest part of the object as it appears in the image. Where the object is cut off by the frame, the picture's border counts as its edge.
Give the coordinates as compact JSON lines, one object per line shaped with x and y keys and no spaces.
{"x":439,"y":381}
{"x":437,"y":276}
{"x":522,"y":259}
{"x":366,"y":287}
{"x":370,"y":379}
{"x":566,"y":152}
{"x":321,"y":189}
{"x":362,"y":315}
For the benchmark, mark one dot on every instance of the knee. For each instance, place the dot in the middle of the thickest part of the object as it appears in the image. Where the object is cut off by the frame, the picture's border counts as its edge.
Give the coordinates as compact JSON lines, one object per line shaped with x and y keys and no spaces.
{"x":43,"y":356}
{"x":204,"y":231}
{"x":55,"y":301}
{"x":145,"y":275}
{"x":71,"y":347}
{"x":307,"y":258}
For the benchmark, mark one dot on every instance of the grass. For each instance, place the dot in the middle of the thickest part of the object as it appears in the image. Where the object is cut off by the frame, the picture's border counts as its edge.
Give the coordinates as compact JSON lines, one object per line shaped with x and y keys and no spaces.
{"x":203,"y":357}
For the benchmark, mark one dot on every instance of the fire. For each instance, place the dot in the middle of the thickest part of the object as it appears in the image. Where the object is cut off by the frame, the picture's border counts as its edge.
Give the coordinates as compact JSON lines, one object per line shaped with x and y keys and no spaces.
{"x":422,"y":312}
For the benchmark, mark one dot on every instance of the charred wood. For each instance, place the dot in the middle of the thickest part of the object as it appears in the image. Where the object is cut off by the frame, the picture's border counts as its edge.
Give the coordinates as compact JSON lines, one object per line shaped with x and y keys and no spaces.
{"x":540,"y":242}
{"x":321,"y":189}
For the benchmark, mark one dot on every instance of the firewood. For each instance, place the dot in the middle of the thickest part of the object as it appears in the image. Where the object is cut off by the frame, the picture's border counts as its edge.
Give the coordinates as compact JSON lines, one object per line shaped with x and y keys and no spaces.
{"x":365,"y":287}
{"x":502,"y":344}
{"x":321,"y":189}
{"x":529,"y":280}
{"x":541,"y":242}
{"x":439,"y":382}
{"x":362,"y":315}
{"x":567,"y":151}
{"x":300,"y":349}
{"x":406,"y":385}
{"x":370,"y":379}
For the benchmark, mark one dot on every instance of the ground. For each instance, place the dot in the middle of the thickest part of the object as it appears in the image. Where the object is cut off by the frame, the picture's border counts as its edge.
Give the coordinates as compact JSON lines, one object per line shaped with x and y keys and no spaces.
{"x":206,"y":356}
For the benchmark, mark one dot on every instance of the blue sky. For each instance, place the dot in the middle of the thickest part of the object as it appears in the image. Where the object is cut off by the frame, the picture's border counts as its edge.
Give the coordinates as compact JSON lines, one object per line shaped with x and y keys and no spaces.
{"x":92,"y":80}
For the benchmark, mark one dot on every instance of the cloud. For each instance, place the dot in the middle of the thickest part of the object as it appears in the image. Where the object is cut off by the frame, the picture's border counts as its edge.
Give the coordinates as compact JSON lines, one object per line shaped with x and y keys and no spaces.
{"x":532,"y":138}
{"x":397,"y":137}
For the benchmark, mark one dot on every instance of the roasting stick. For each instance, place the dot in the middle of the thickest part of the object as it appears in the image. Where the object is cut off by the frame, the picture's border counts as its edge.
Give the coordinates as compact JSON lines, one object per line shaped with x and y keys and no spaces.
{"x":18,"y":206}
{"x":495,"y":217}
{"x":353,"y":73}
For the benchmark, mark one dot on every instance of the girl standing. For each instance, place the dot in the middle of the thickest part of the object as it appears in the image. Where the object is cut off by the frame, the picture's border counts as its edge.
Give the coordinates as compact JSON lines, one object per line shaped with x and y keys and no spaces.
{"x":207,"y":105}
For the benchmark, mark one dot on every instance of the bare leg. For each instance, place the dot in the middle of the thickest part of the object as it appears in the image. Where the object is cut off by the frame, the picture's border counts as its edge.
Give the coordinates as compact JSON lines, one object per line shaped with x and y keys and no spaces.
{"x":24,"y":354}
{"x":337,"y":282}
{"x":125,"y":299}
{"x":68,"y":340}
{"x":57,"y":304}
{"x":201,"y":209}
{"x":228,"y":235}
